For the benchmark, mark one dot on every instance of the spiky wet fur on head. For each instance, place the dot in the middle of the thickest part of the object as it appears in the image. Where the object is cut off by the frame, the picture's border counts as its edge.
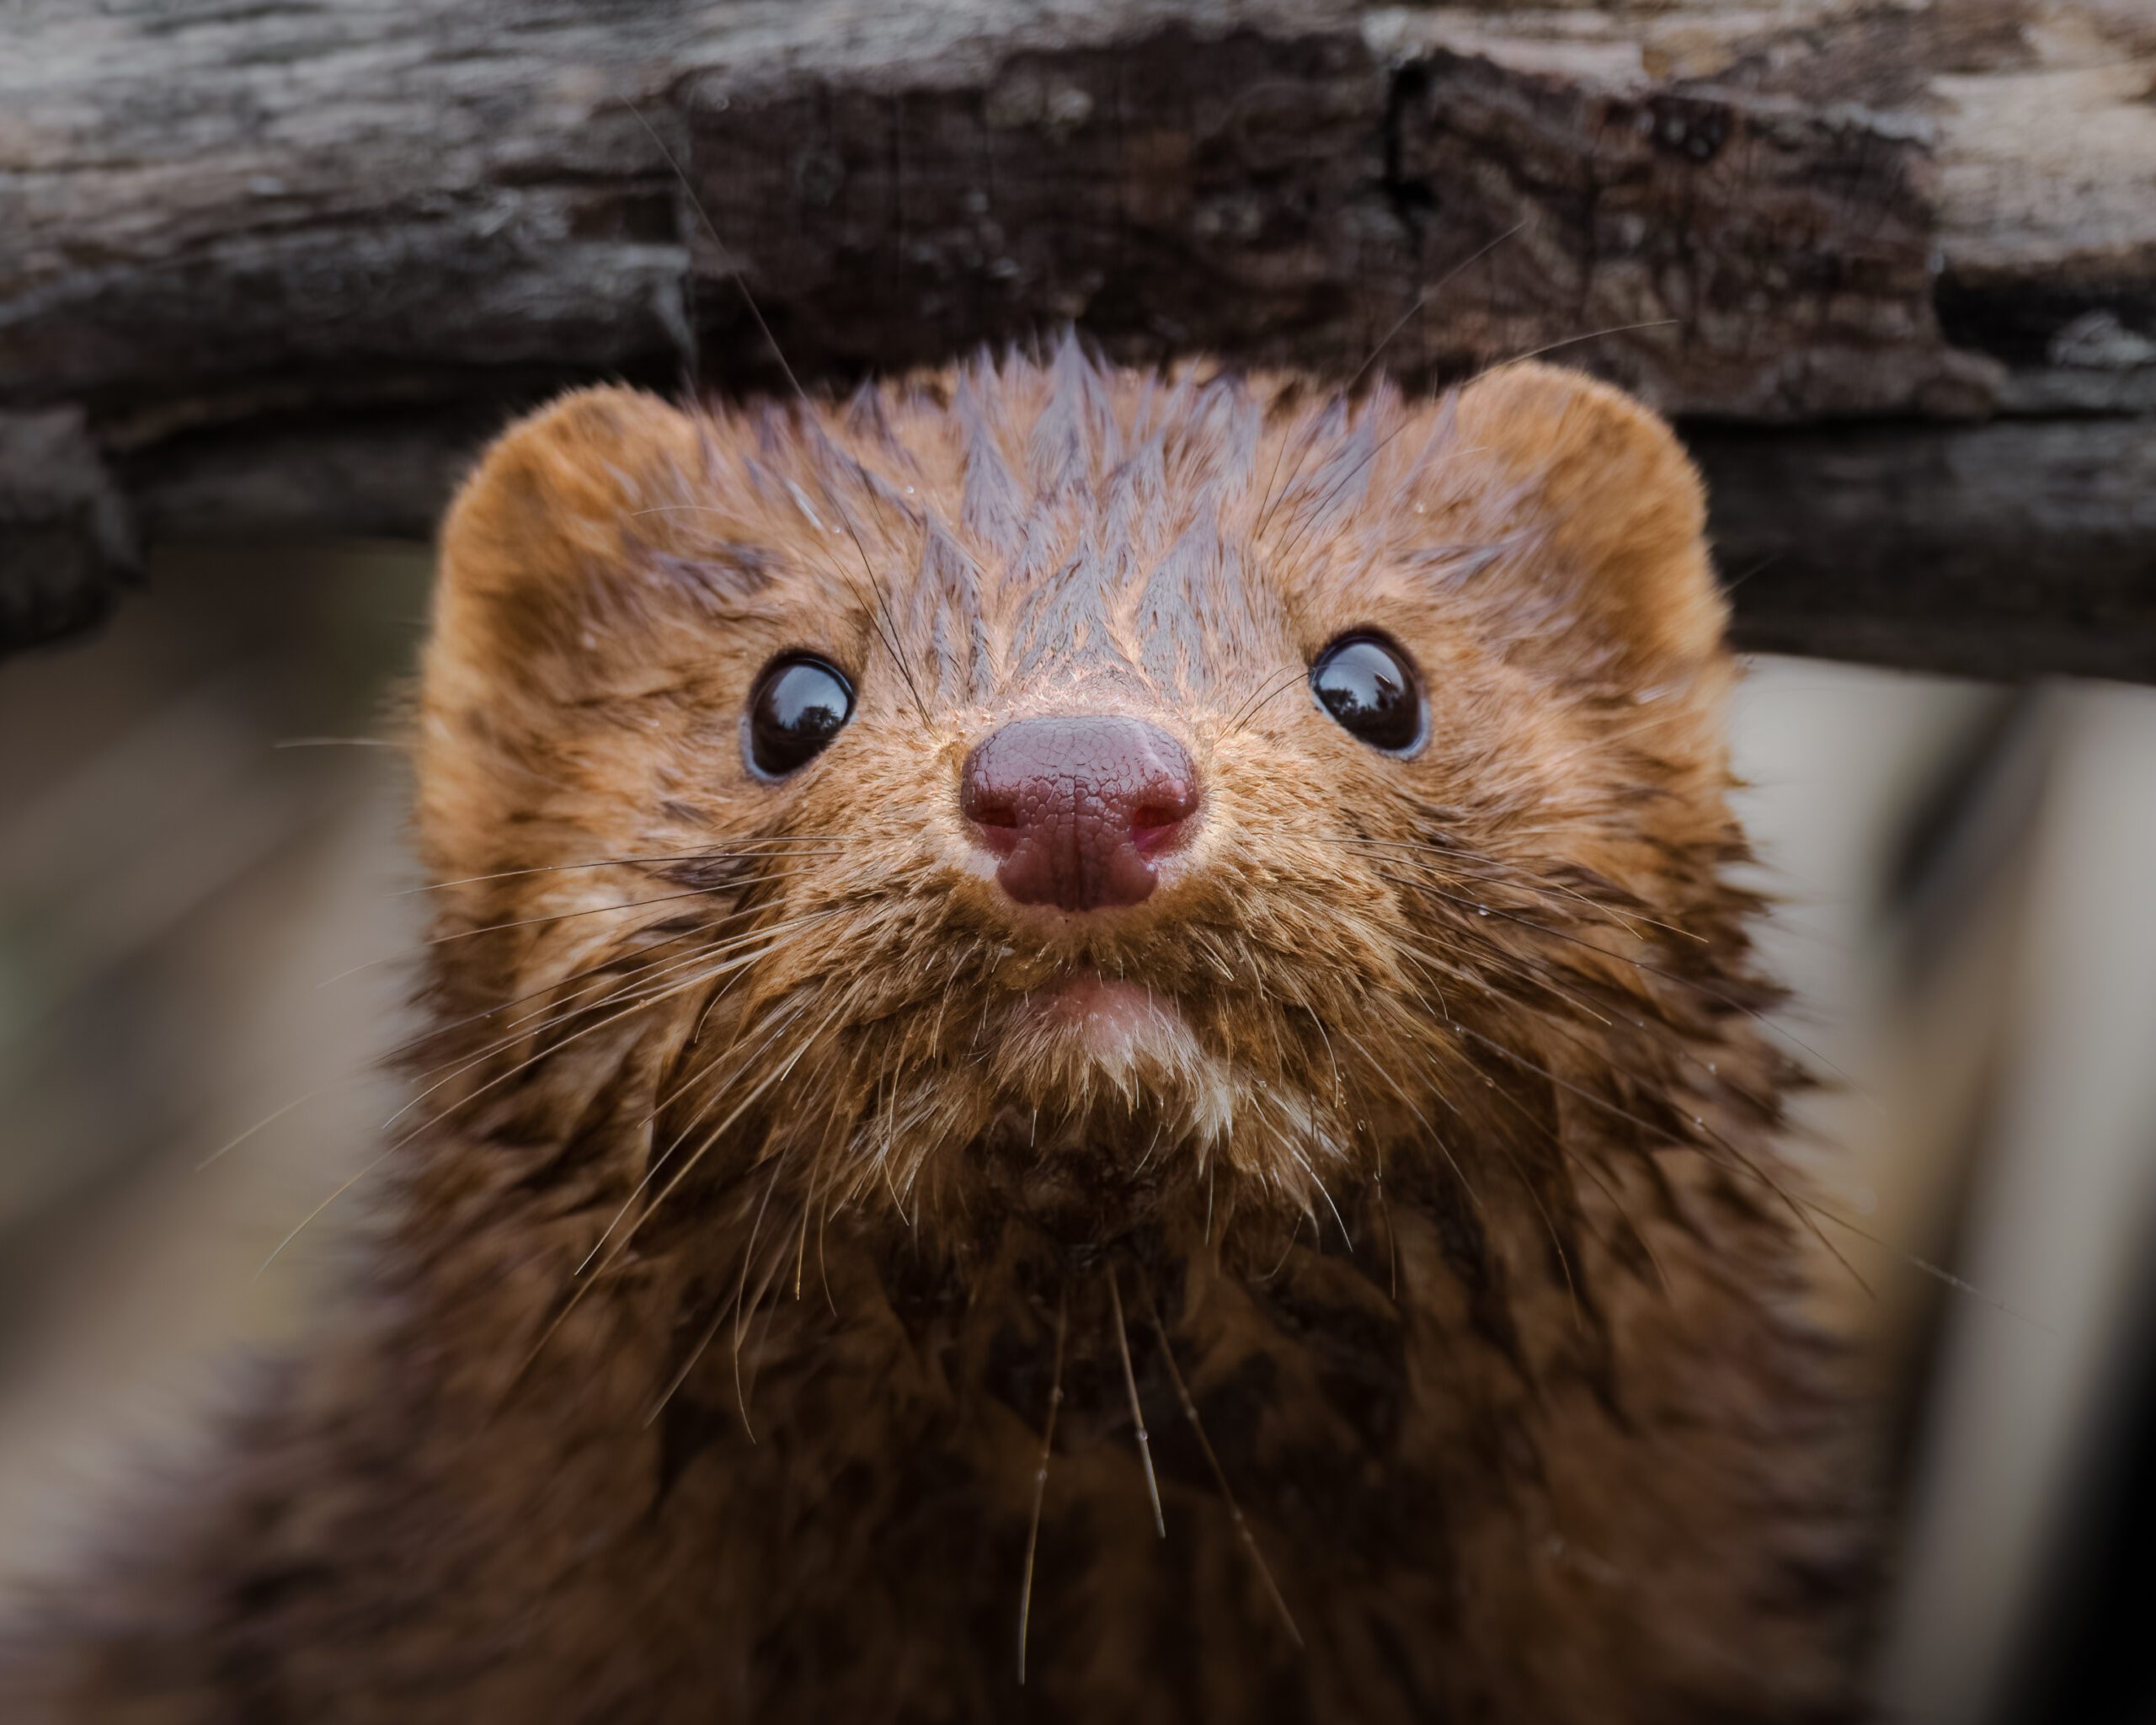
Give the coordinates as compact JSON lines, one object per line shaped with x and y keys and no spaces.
{"x":764,"y":1196}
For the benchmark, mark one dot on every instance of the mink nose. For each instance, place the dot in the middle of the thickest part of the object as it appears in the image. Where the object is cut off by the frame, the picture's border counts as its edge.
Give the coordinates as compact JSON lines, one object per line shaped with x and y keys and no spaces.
{"x":1078,"y":809}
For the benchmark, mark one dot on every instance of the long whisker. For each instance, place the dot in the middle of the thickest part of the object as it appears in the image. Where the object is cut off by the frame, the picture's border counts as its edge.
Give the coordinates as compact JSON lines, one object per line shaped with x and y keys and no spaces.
{"x":423,"y":1126}
{"x":668,"y":935}
{"x":643,"y":976}
{"x":437,"y":1119}
{"x":563,"y":1008}
{"x":1513,"y":878}
{"x":1816,"y":1207}
{"x":801,"y":1260}
{"x":742,"y":1062}
{"x":1324,"y":503}
{"x":1549,"y":1222}
{"x":1432,"y":291}
{"x":1584,"y":1165}
{"x":1220,"y":1474}
{"x":309,"y":1216}
{"x":1516,"y":965}
{"x":437,"y":940}
{"x":1421,"y":300}
{"x":1251,"y":709}
{"x":1798,"y":1211}
{"x":886,"y":626}
{"x":878,"y":612}
{"x":1572,"y":1160}
{"x":413,"y":1044}
{"x":1265,"y":512}
{"x":269,"y":1120}
{"x":584,"y":1284}
{"x":698,"y":892}
{"x":810,"y":844}
{"x":1040,"y":1481}
{"x":740,"y":1293}
{"x":1394,"y":1084}
{"x":1137,"y":1410}
{"x":1734,"y":1005}
{"x":1536,"y":353}
{"x":734,"y":962}
{"x":777,"y":1076}
{"x":1304,"y":1161}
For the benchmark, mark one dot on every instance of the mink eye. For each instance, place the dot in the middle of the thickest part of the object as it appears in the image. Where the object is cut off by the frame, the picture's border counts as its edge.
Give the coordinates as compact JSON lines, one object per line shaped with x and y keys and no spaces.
{"x":1364,"y":682}
{"x":800,"y":704}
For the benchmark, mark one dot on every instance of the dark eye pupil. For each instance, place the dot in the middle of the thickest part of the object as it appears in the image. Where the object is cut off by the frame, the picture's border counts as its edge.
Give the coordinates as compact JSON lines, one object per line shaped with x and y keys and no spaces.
{"x":1368,"y":687}
{"x":798,"y":707}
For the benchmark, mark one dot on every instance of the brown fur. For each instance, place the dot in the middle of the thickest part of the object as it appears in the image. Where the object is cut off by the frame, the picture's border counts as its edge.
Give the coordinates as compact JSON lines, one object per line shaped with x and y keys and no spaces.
{"x":705,"y":1367}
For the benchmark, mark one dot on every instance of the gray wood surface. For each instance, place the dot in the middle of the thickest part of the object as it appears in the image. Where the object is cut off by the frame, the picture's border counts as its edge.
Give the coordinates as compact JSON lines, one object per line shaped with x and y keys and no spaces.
{"x":276,"y":267}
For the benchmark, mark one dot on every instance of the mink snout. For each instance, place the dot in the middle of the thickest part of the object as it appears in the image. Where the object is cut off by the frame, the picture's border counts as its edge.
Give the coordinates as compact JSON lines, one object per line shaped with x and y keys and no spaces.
{"x":1078,"y":808}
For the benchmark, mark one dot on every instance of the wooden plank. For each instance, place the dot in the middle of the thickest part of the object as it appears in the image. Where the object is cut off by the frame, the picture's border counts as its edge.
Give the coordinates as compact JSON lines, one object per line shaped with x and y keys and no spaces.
{"x":286,"y":263}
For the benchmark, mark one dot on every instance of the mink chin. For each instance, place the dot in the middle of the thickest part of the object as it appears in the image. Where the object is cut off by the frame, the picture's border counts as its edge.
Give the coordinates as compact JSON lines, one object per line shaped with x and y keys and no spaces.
{"x":1091,"y":1055}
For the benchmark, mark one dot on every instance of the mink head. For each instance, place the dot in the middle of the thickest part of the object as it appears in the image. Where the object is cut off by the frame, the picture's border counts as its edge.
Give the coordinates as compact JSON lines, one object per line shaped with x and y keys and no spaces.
{"x":1179,"y":808}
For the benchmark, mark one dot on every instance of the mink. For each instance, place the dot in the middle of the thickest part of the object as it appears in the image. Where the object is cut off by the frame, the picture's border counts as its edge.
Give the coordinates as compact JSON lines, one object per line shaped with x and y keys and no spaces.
{"x":1092,"y":1055}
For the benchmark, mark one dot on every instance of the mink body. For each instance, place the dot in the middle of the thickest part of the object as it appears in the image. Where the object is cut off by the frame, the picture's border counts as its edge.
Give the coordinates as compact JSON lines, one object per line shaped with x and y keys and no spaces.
{"x":1420,"y":1244}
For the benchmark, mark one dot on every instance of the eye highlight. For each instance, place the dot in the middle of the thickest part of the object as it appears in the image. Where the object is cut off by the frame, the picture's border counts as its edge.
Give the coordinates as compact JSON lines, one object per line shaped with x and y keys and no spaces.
{"x":801,"y":702}
{"x":1366,"y":684}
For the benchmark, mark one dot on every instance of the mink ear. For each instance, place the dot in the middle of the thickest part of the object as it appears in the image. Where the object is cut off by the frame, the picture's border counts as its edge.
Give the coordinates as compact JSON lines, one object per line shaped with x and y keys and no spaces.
{"x":540,"y":551}
{"x":1615,"y":507}
{"x":553,"y":588}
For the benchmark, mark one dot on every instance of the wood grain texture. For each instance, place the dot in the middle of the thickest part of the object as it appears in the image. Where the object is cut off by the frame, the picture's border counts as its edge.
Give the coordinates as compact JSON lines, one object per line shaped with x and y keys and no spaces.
{"x":283,"y":259}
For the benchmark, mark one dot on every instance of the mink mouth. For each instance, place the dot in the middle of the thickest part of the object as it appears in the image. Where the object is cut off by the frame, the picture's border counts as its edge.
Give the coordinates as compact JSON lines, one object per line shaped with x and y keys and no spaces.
{"x":1111,"y":1018}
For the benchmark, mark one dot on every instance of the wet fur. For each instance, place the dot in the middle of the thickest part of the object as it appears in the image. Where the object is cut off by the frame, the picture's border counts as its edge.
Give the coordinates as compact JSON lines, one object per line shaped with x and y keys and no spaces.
{"x":704,"y":1364}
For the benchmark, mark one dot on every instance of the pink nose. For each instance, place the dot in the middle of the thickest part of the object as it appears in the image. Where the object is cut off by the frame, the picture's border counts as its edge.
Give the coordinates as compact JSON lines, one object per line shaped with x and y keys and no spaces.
{"x":1078,"y":809}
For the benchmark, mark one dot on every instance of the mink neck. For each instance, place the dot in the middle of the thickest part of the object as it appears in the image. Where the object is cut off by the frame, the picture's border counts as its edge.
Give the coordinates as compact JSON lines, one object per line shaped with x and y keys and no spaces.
{"x":568,"y":1297}
{"x":767,"y":1329}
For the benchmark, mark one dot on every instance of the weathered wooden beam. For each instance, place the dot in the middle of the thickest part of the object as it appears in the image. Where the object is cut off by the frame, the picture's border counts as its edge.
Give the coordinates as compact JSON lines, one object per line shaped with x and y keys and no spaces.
{"x":1990,"y":551}
{"x":1896,"y":266}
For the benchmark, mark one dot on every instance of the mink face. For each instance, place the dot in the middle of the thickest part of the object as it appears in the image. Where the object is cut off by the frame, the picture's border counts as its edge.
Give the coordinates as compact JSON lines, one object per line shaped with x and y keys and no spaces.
{"x":1090,"y":1062}
{"x":1053,"y":781}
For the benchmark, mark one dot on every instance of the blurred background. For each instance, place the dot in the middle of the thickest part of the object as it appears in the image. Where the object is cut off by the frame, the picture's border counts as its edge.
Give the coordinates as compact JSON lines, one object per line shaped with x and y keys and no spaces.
{"x":203,"y":901}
